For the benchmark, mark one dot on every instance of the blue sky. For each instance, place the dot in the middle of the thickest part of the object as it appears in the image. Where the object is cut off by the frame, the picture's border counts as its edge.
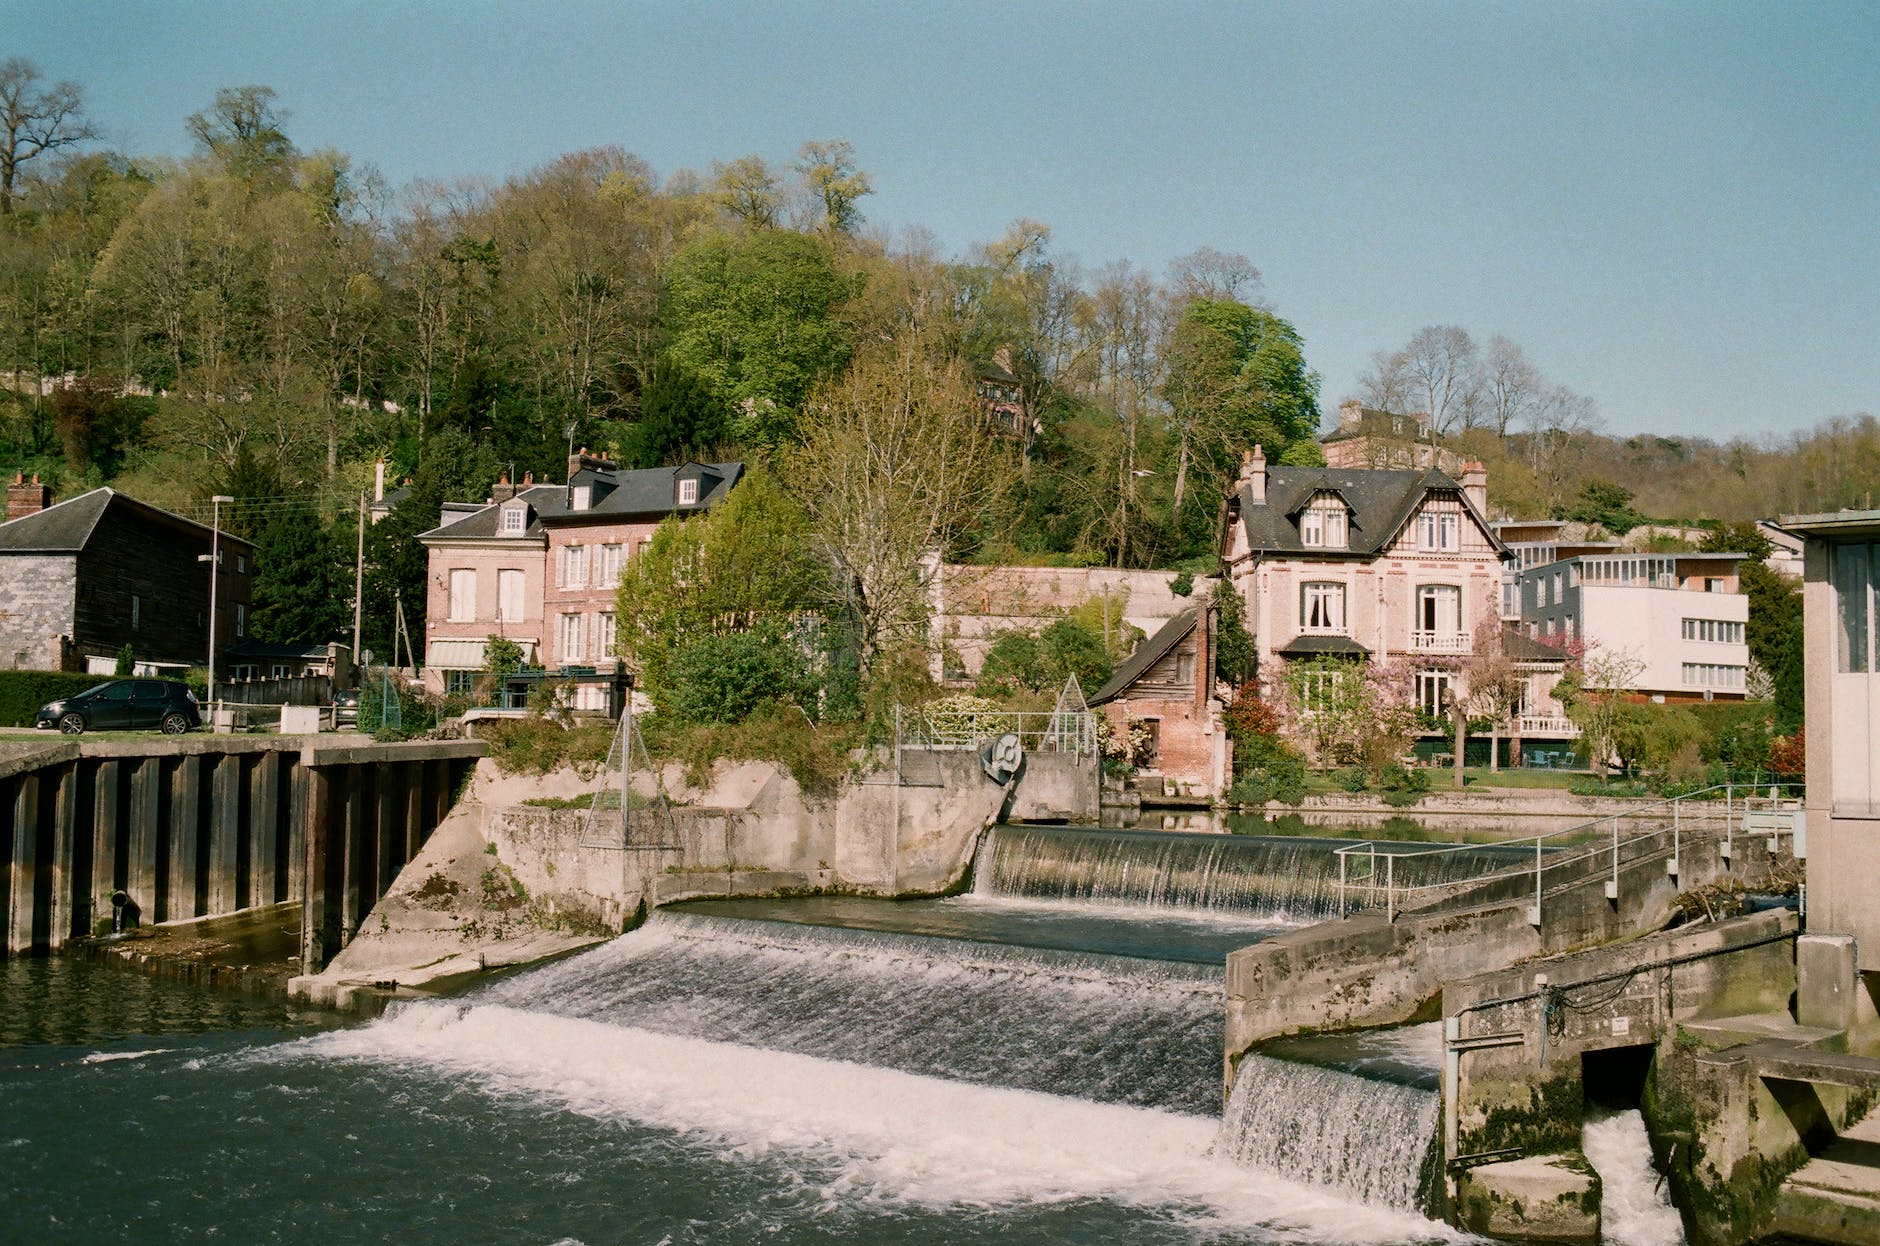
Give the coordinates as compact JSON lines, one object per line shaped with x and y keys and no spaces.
{"x":1674,"y":207}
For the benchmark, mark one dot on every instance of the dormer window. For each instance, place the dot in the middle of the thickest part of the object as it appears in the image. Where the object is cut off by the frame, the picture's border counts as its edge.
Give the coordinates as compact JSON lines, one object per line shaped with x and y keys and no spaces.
{"x":1323,"y":525}
{"x":515,"y":520}
{"x":688,"y":492}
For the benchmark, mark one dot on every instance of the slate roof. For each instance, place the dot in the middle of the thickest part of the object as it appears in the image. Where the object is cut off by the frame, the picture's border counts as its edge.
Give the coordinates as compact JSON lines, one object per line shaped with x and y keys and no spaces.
{"x":66,"y":527}
{"x":1521,"y":647}
{"x":651,"y":493}
{"x":1381,"y":501}
{"x":1147,"y":654}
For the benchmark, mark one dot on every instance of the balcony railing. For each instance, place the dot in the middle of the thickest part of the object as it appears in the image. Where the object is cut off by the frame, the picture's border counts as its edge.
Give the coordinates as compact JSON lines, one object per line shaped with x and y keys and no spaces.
{"x":1548,"y":724}
{"x":1441,"y":642}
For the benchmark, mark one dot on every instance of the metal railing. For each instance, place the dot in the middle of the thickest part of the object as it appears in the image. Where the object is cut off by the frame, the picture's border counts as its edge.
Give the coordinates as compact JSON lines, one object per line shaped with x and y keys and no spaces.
{"x":1777,"y":814}
{"x":1052,"y":732}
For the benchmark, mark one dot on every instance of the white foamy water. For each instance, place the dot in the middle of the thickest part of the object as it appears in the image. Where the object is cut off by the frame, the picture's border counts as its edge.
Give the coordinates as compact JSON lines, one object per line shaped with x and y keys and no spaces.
{"x":1635,"y":1208}
{"x":873,"y":1135}
{"x":1370,"y":1139}
{"x":107,"y":1057}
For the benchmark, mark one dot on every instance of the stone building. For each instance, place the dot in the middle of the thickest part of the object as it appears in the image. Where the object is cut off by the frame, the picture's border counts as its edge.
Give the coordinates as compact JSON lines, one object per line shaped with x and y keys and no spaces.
{"x":82,"y":579}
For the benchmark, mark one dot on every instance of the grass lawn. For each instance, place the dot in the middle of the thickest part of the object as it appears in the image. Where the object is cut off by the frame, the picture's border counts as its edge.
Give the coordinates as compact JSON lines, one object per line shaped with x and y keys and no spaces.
{"x":1481,"y":776}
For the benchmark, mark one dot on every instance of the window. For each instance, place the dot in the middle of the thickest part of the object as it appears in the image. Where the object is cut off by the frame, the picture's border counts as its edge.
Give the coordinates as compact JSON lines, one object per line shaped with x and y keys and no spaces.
{"x":1710,"y":675}
{"x":1560,"y":586}
{"x":1540,"y":591}
{"x":1318,"y":685}
{"x":244,"y":671}
{"x":241,"y":564}
{"x":515,"y":520}
{"x":613,"y":557}
{"x":1715,"y":631}
{"x":509,"y":603}
{"x":604,"y":634}
{"x":1431,"y":689}
{"x":688,"y":492}
{"x":568,"y":638}
{"x":241,"y":620}
{"x":583,"y":497}
{"x":1322,"y":607}
{"x":1184,"y":668}
{"x":1853,"y":578}
{"x":463,"y":594}
{"x":574,"y":566}
{"x":1439,"y":609}
{"x":1439,"y":530}
{"x":1322,"y":525}
{"x":1713,"y":584}
{"x":137,"y":612}
{"x":460,"y":682}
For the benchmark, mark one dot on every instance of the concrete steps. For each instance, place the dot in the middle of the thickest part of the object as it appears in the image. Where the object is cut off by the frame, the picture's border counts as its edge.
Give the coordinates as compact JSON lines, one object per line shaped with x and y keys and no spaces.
{"x":1835,"y":1197}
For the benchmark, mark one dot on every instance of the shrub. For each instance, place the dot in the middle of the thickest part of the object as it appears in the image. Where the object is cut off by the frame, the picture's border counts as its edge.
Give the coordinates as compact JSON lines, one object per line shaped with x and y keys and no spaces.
{"x":722,"y":679}
{"x":1250,"y":716}
{"x":816,"y":756}
{"x":1402,"y":787}
{"x":1265,"y":769}
{"x":23,"y":692}
{"x":536,"y":745}
{"x":1182,"y":585}
{"x":126,"y":661}
{"x":1788,"y":755}
{"x":1354,"y":779}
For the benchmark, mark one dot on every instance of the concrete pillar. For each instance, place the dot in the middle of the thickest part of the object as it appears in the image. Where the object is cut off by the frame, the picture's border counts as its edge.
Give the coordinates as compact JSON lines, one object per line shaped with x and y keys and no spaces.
{"x":227,"y":889}
{"x":25,"y":863}
{"x":107,"y":833}
{"x":294,"y":784}
{"x":354,"y":848}
{"x":388,"y":832}
{"x":64,"y":862}
{"x":415,"y":777}
{"x":264,"y":829}
{"x":143,"y":873}
{"x":1826,"y":989}
{"x":317,"y":940}
{"x":181,"y":900}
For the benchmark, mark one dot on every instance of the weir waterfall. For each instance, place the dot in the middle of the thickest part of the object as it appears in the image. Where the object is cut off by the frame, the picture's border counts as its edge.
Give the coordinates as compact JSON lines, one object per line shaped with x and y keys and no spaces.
{"x":840,"y":1071}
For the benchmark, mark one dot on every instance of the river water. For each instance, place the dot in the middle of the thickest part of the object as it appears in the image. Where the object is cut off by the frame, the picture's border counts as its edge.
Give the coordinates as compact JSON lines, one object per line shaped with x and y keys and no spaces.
{"x":989,"y":1069}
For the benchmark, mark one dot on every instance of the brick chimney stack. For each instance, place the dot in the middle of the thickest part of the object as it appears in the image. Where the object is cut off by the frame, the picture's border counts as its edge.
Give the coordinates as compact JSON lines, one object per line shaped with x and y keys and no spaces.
{"x":503,"y":490}
{"x":27,"y":498}
{"x":1350,"y":413}
{"x":1253,"y":474}
{"x":1475,"y":485}
{"x":591,"y":462}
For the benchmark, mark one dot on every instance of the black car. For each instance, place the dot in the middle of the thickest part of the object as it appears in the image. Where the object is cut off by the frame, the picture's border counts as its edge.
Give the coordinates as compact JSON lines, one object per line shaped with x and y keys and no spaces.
{"x":125,"y":705}
{"x":346,"y":708}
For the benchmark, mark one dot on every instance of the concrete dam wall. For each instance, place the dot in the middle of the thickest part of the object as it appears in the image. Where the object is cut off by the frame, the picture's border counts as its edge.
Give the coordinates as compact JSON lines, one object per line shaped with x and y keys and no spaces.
{"x":209,"y":826}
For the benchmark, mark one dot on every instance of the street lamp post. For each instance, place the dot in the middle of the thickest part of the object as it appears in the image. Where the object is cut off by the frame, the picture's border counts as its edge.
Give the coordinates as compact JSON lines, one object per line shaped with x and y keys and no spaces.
{"x":215,"y":565}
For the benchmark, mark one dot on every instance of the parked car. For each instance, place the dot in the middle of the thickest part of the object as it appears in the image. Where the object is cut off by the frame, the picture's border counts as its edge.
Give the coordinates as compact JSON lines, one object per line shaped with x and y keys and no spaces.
{"x":125,"y":705}
{"x":346,"y":707}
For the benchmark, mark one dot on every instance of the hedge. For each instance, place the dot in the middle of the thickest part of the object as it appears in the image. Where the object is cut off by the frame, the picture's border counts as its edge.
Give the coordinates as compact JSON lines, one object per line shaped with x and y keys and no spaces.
{"x":23,"y":692}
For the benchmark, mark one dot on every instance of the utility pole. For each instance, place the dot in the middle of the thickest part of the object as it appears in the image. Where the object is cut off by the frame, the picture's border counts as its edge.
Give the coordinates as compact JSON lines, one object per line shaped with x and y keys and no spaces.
{"x":215,"y":565}
{"x":359,"y":577}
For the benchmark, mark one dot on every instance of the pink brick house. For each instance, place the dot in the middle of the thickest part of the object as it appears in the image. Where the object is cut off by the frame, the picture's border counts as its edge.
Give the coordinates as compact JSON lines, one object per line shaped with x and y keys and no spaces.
{"x":539,"y":563}
{"x":1168,"y":683}
{"x":1390,"y":565}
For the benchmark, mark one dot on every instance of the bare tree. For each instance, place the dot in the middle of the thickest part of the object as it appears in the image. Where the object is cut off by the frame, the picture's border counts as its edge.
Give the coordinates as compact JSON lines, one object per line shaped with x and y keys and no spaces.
{"x":1440,"y":365}
{"x":1211,"y":274}
{"x":1511,"y":384}
{"x":34,"y":121}
{"x":895,"y":463}
{"x":1385,"y":382}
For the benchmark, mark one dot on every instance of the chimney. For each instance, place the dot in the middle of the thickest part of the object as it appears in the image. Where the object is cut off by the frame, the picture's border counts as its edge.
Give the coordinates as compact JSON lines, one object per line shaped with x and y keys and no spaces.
{"x":378,"y":482}
{"x":1350,"y":413}
{"x":528,"y":478}
{"x":1475,"y":485}
{"x":25,"y":498}
{"x":583,"y":460}
{"x":503,"y":490}
{"x":1253,"y":474}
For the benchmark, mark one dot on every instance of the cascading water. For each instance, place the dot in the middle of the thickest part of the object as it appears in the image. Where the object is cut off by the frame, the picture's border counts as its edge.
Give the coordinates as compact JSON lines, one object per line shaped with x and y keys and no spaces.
{"x":1275,"y":878}
{"x":1635,"y":1206}
{"x":1372,"y":1139}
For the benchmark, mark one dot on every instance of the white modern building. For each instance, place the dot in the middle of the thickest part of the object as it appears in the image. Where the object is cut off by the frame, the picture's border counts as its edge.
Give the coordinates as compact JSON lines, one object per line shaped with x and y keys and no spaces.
{"x":1679,"y":615}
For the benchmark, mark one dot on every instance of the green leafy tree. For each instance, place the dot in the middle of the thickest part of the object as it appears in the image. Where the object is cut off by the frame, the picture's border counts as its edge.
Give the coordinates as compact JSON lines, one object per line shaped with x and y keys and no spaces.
{"x":756,"y":319}
{"x":680,"y":420}
{"x":1234,"y":649}
{"x":723,"y":678}
{"x":501,"y":657}
{"x":303,"y":583}
{"x":1604,"y":503}
{"x":748,"y":565}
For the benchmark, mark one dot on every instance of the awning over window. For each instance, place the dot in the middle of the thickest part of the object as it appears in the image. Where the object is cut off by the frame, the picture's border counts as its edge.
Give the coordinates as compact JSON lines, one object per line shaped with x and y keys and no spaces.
{"x":466,"y":655}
